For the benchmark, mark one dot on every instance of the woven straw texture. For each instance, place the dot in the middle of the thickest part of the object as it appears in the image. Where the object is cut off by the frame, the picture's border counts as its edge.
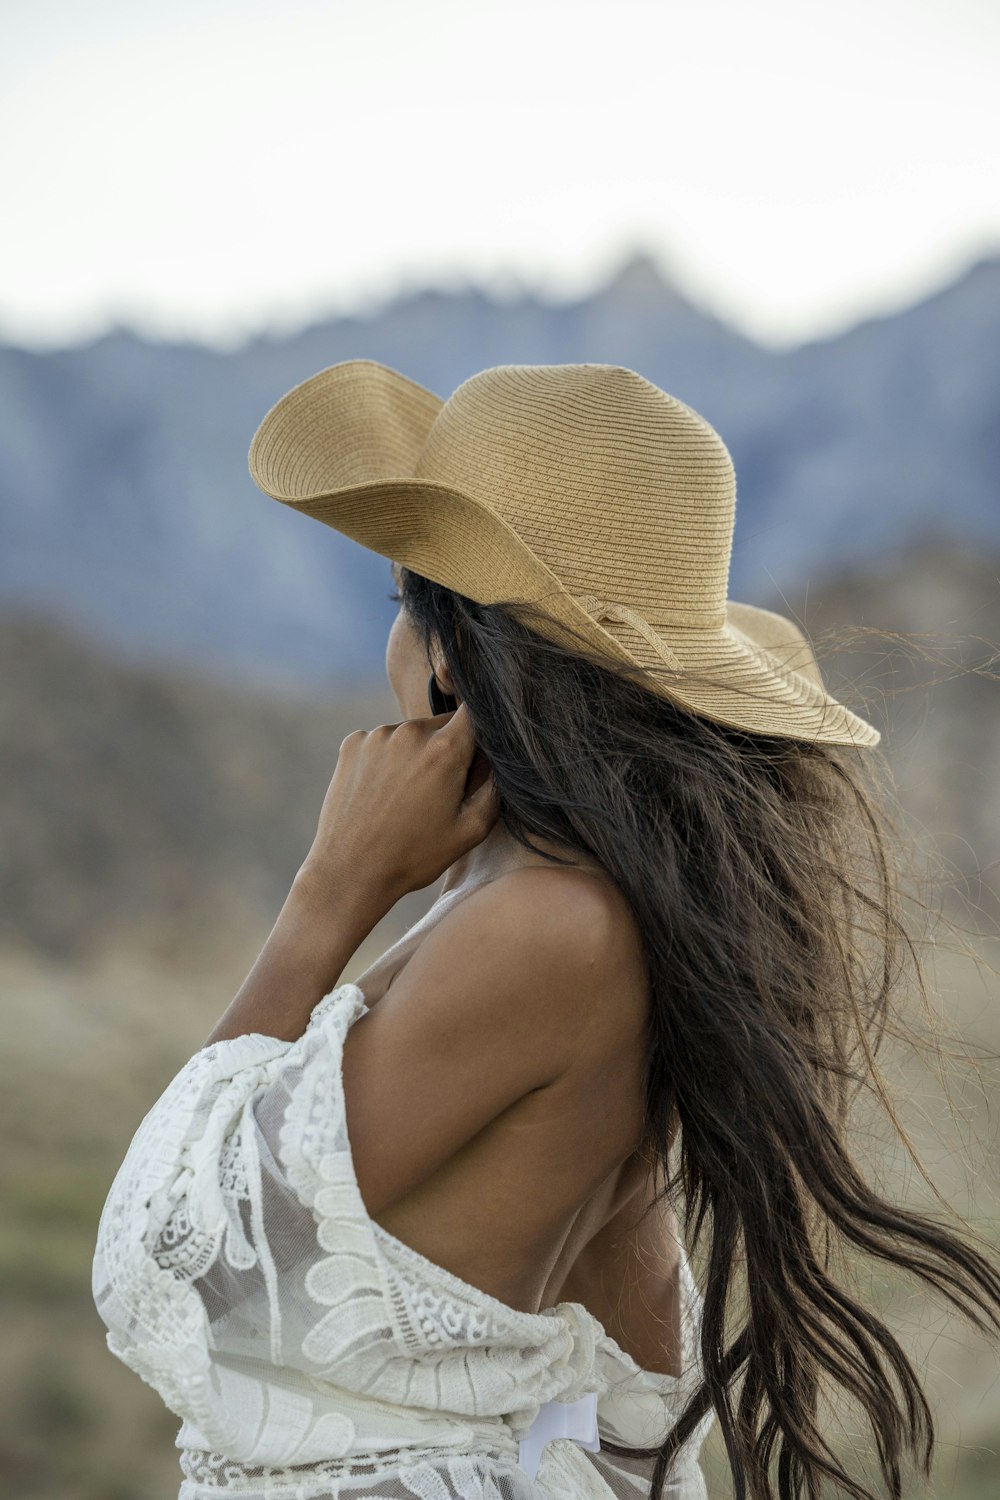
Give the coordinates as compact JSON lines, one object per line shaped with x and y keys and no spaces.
{"x":583,"y":488}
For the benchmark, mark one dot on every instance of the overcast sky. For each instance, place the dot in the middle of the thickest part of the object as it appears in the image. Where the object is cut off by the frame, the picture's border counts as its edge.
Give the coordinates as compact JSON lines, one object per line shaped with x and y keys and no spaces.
{"x":207,"y":168}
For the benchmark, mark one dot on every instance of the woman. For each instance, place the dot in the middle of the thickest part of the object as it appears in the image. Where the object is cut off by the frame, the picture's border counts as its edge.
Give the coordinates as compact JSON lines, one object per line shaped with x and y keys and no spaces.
{"x":415,"y":1234}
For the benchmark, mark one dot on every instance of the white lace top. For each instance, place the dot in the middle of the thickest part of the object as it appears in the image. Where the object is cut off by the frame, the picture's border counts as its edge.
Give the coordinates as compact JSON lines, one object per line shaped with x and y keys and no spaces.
{"x":308,"y":1352}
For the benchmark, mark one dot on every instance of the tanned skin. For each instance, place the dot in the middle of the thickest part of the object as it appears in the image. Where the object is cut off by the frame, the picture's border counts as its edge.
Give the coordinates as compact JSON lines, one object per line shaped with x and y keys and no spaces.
{"x":493,"y":1090}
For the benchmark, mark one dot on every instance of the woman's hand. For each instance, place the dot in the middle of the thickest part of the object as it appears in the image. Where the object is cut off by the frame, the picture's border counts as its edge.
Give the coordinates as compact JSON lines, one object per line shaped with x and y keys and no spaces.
{"x":398,"y":810}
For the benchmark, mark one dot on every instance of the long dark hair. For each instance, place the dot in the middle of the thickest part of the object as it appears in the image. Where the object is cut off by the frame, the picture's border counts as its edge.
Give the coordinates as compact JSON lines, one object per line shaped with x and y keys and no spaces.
{"x":761,"y":871}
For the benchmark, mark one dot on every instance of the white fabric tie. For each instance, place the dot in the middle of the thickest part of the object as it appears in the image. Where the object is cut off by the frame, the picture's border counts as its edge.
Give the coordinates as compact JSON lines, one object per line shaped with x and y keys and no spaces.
{"x":576,"y":1420}
{"x":550,"y":1453}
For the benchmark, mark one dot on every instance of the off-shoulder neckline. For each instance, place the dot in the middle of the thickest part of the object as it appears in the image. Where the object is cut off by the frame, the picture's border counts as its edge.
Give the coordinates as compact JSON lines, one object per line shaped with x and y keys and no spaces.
{"x":465,"y":1289}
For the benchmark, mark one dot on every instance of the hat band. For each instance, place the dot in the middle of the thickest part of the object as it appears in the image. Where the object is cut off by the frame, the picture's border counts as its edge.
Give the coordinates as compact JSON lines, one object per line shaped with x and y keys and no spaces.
{"x":611,"y":609}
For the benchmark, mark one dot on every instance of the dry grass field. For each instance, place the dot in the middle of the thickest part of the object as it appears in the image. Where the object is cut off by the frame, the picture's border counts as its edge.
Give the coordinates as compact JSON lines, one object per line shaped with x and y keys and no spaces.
{"x":90,"y":1047}
{"x":151,"y":824}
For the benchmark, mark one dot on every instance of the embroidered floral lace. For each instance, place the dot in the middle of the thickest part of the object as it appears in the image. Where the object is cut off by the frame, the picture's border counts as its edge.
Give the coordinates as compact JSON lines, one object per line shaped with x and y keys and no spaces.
{"x":310,"y":1354}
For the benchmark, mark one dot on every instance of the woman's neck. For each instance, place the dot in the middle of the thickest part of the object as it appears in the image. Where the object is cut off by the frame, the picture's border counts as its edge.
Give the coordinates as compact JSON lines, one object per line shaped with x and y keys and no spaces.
{"x":499,"y":852}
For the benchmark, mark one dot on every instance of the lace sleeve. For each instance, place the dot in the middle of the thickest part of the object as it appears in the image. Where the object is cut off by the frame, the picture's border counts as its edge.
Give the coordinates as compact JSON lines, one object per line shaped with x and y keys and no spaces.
{"x":213,"y":1208}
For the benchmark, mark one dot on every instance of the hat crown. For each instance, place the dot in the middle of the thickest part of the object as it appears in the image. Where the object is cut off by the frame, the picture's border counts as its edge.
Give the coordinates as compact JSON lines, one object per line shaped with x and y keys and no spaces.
{"x":620,"y":488}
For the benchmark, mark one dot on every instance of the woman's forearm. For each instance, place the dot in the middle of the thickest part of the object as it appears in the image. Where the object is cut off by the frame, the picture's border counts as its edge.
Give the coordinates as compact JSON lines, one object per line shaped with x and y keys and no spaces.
{"x":325,"y":919}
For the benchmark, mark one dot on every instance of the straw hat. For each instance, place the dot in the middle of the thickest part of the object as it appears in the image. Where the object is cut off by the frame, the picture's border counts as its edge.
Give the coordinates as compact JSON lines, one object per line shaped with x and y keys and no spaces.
{"x":583,"y":488}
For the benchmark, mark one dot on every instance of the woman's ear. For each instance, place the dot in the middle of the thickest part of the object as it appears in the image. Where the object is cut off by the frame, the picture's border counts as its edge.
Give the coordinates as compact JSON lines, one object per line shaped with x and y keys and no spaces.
{"x":442,"y":673}
{"x":443,"y":677}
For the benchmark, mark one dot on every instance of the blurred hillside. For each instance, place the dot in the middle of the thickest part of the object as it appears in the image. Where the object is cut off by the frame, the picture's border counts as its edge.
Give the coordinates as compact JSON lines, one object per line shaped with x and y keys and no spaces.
{"x":181,"y":658}
{"x":161,"y":809}
{"x":126,"y":508}
{"x":152,"y":820}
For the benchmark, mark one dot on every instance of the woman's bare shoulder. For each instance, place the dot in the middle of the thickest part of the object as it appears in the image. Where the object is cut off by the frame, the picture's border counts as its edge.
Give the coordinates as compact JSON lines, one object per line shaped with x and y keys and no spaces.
{"x":570,"y":934}
{"x":569,"y":894}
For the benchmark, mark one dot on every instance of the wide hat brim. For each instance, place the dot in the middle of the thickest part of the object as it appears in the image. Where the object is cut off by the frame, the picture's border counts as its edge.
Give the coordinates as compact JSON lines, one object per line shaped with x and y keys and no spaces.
{"x":344,"y":447}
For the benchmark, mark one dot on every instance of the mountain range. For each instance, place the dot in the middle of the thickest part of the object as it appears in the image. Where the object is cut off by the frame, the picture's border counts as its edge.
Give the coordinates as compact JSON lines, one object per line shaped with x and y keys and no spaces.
{"x":127,"y":512}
